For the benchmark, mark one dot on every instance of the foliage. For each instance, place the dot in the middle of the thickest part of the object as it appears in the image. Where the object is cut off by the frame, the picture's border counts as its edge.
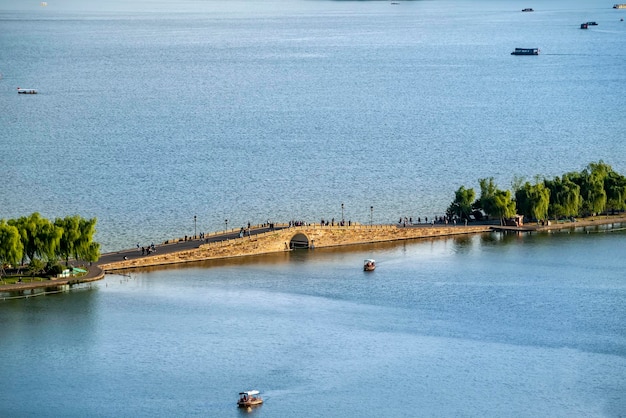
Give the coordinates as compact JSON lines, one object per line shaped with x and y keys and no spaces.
{"x":493,"y":201}
{"x":42,"y":241}
{"x":504,"y":204}
{"x":39,"y":236}
{"x":11,"y":247}
{"x":533,"y":200}
{"x":77,"y":238}
{"x":591,"y":182}
{"x":462,"y":204}
{"x":35,"y":267}
{"x":54,"y":269}
{"x":593,"y":190}
{"x":565,"y":198}
{"x":615,"y":187}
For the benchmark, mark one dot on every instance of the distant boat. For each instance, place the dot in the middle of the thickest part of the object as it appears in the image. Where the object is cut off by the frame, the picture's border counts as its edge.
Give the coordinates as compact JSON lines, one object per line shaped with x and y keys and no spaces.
{"x":26,"y":91}
{"x":525,"y":51}
{"x":592,"y":24}
{"x":527,"y":10}
{"x":369,"y":265}
{"x":249,"y":399}
{"x":619,"y":6}
{"x":584,"y":25}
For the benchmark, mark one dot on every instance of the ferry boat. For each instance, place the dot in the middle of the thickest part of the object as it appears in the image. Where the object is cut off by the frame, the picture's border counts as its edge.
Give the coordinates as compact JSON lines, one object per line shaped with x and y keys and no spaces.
{"x":369,"y":265}
{"x":528,"y":9}
{"x":592,"y":23}
{"x":525,"y":51}
{"x":249,"y":399}
{"x":619,"y":6}
{"x":26,"y":91}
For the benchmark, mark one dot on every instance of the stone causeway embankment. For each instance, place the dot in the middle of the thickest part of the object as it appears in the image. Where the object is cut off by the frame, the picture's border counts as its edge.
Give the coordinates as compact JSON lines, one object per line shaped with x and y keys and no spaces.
{"x":304,"y":236}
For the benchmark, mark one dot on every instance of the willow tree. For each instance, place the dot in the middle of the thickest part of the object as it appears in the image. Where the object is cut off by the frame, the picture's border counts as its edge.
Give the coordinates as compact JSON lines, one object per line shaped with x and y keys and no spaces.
{"x":77,"y":238}
{"x":504,"y":205}
{"x":493,"y":201}
{"x":462,"y":204}
{"x":486,"y":200}
{"x":11,"y":248}
{"x":591,"y":182}
{"x":565,"y":198}
{"x":615,"y":188}
{"x":532,"y":200}
{"x":39,"y":236}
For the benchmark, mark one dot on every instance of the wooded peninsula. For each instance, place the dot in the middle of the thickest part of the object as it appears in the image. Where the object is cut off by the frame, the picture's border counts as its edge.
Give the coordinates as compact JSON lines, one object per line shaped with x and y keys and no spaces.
{"x":596,"y":189}
{"x":44,"y":243}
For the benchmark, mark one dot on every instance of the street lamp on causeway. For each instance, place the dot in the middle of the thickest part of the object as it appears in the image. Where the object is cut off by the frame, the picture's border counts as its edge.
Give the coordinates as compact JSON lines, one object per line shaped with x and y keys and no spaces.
{"x":342,"y":214}
{"x":371,"y":214}
{"x":195,"y":217}
{"x":226,"y":223}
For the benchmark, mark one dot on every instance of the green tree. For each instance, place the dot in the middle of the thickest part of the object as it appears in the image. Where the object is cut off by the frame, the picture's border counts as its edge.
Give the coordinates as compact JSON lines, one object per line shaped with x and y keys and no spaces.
{"x":486,"y":200}
{"x":565,"y":198}
{"x":39,"y":236}
{"x":504,"y":205}
{"x":35,"y":267}
{"x":11,"y":247}
{"x":47,"y":240}
{"x":591,"y":182}
{"x":93,"y":252}
{"x":462,"y":204}
{"x":85,"y":248}
{"x":27,"y":226}
{"x":493,"y":201}
{"x":69,"y":237}
{"x":77,"y":238}
{"x":594,"y":196}
{"x":615,"y":188}
{"x":532,"y":200}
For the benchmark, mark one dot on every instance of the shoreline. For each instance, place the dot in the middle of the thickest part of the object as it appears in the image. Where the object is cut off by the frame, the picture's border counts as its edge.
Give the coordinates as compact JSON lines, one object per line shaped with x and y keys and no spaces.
{"x":232,"y":246}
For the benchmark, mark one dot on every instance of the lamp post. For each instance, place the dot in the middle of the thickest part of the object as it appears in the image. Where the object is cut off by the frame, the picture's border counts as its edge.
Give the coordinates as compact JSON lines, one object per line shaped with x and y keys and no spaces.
{"x":195,"y":217}
{"x":226,"y":222}
{"x":342,"y":214}
{"x":371,"y":214}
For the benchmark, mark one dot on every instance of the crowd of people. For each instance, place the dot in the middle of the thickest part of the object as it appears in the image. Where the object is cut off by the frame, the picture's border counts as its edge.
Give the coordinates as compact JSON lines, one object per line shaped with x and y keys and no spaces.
{"x":404,"y":221}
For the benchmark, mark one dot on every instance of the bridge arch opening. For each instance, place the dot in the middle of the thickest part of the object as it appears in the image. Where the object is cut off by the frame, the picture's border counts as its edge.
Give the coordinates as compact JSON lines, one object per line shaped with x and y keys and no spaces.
{"x":299,"y":242}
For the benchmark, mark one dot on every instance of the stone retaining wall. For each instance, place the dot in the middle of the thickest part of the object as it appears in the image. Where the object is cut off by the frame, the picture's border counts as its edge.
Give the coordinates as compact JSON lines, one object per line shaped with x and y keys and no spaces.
{"x":279,"y":241}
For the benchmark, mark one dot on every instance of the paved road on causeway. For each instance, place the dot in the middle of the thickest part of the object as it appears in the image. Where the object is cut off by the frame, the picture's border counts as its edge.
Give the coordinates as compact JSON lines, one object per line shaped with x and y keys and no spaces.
{"x":190,"y":244}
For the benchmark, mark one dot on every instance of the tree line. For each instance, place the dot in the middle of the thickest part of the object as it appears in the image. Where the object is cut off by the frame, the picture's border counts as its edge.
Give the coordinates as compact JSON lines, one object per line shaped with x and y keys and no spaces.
{"x":596,"y":189}
{"x":43,"y":243}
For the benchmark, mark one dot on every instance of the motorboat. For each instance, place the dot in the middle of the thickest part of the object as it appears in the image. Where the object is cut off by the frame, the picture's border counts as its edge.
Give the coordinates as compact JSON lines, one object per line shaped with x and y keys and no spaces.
{"x":528,"y":9}
{"x":525,"y":51}
{"x":592,"y":23}
{"x":249,"y":399}
{"x":369,"y":265}
{"x":26,"y":91}
{"x":584,"y":25}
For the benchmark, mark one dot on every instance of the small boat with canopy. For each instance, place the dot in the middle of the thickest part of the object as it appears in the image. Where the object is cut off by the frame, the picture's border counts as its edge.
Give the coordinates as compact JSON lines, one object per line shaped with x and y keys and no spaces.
{"x":369,"y":265}
{"x":249,"y":399}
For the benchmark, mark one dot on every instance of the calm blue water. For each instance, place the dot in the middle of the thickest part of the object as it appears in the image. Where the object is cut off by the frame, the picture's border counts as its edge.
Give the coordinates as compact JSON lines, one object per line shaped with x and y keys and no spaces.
{"x":151,"y":113}
{"x":520,"y":326}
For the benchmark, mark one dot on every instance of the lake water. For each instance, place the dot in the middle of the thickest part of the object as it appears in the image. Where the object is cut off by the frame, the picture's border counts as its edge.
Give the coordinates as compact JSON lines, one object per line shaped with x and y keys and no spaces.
{"x":491,"y":325}
{"x":151,"y":113}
